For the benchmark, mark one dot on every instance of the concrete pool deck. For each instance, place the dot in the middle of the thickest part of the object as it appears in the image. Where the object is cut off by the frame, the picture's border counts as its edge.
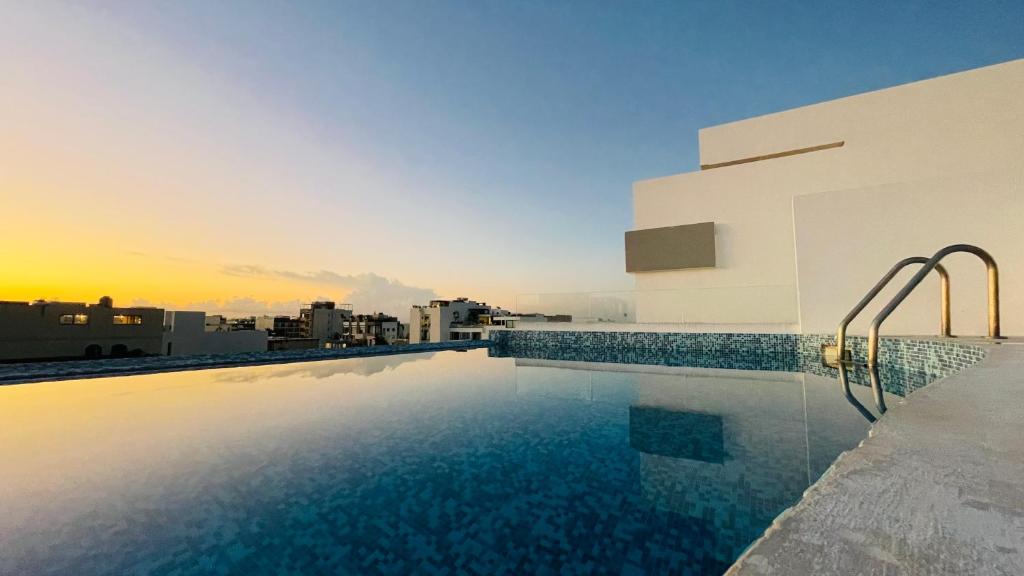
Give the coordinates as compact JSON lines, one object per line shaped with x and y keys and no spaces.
{"x":937,"y":487}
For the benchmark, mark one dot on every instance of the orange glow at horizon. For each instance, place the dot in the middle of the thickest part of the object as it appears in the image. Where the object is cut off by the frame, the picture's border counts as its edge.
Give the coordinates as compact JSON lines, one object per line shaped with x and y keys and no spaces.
{"x":130,"y":170}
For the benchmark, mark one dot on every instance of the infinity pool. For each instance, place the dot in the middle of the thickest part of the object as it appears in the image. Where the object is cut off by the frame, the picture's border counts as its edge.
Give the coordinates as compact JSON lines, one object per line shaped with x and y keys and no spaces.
{"x":443,"y":463}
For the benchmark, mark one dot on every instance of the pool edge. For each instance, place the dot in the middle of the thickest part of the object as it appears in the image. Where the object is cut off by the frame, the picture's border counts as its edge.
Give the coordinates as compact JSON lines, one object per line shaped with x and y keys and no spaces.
{"x":936,"y":487}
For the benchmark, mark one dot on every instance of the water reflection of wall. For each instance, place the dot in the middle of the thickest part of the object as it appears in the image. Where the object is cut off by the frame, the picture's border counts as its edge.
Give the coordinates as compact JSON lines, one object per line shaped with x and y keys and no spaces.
{"x":585,"y":381}
{"x":727,"y":448}
{"x":677,"y":434}
{"x":764,"y":467}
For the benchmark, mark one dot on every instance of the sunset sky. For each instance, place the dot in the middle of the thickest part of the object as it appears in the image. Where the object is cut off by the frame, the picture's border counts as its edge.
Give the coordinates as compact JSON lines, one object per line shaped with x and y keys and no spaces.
{"x":245,"y":157}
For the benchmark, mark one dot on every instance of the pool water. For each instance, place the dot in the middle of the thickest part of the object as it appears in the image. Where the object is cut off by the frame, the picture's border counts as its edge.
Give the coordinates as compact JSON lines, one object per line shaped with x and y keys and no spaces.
{"x":442,"y":463}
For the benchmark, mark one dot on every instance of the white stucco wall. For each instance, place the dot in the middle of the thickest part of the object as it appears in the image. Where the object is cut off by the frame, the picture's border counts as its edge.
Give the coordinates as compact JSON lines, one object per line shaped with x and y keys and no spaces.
{"x":325,"y":323}
{"x":985,"y":209}
{"x":951,"y":145}
{"x":185,"y":335}
{"x":440,"y":319}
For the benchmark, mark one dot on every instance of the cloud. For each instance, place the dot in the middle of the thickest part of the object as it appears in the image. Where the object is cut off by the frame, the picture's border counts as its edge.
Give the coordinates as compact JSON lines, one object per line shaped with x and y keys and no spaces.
{"x":245,"y":270}
{"x":231,"y":307}
{"x":366,"y":292}
{"x":140,"y":254}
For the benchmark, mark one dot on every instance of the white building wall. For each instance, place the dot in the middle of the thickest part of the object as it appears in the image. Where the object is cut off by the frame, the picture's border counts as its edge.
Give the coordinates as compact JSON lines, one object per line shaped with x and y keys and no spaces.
{"x":325,"y":323}
{"x":440,"y":323}
{"x":185,"y":335}
{"x":984,"y":209}
{"x":416,"y":319}
{"x":391,"y":330}
{"x":439,"y":318}
{"x":944,"y":153}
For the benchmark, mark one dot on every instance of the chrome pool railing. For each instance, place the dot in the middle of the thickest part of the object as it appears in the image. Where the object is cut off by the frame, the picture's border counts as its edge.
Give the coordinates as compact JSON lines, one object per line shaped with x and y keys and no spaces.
{"x":944,"y":301}
{"x":876,"y":387}
{"x":915,"y":280}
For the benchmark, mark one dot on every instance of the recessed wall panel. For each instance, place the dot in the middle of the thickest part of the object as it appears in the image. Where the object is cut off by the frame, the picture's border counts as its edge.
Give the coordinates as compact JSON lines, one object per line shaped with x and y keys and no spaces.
{"x":671,"y":248}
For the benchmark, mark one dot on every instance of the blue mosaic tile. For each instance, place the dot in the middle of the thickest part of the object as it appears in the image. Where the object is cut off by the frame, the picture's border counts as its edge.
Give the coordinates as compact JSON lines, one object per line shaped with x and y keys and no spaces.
{"x":489,"y":462}
{"x":904,"y":365}
{"x":735,"y":351}
{"x":448,"y":464}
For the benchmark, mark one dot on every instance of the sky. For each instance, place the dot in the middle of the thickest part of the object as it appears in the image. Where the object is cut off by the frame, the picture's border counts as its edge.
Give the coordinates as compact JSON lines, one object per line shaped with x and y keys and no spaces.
{"x":244,"y":157}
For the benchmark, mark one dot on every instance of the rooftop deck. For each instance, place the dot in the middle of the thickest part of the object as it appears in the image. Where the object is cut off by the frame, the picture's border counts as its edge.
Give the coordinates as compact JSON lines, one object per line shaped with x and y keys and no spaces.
{"x":937,"y":488}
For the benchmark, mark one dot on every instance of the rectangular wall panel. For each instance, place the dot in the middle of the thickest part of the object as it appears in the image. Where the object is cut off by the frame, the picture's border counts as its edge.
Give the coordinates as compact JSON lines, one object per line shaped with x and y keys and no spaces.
{"x":671,"y":248}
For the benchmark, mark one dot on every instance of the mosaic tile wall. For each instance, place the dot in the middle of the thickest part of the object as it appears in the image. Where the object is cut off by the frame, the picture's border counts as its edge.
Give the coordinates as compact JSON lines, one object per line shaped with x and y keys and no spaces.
{"x":905,"y":365}
{"x":737,"y":351}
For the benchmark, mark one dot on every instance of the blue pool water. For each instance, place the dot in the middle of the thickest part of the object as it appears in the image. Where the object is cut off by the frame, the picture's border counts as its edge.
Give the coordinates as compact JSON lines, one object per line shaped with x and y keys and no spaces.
{"x":443,"y":463}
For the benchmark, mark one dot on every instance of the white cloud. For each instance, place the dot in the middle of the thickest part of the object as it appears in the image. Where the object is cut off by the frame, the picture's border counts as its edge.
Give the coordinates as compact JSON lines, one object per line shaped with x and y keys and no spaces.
{"x":231,"y":307}
{"x":366,"y":292}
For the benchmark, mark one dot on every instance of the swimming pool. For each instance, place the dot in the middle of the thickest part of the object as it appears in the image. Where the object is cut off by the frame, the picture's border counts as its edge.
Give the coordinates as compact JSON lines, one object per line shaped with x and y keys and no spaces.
{"x":438,"y":463}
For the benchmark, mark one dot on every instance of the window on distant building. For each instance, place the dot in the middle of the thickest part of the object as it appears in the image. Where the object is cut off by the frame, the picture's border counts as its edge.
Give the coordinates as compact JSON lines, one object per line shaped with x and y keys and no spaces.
{"x":127,"y":319}
{"x":68,"y":319}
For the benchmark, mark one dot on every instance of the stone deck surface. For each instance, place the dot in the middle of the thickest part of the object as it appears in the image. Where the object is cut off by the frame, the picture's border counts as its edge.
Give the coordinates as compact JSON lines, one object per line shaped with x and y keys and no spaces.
{"x":937,"y":488}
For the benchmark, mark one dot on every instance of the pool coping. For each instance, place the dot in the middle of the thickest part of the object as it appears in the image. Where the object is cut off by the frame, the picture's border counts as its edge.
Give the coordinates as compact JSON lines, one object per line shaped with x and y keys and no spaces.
{"x":28,"y":372}
{"x":936,"y":488}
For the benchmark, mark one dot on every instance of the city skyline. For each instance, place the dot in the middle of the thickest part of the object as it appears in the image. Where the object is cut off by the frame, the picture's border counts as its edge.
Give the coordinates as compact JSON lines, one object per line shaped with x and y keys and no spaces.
{"x":243,"y":159}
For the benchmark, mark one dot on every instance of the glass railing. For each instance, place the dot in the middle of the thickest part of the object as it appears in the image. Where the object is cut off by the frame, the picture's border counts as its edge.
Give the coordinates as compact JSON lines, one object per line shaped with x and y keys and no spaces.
{"x":761,"y":304}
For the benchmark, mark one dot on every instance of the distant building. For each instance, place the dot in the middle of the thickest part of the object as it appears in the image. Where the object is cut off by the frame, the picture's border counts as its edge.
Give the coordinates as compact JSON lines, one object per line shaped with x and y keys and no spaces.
{"x":324,"y":320}
{"x":219,"y":323}
{"x":57,"y":330}
{"x":494,"y":316}
{"x":514,"y":320}
{"x":280,"y":344}
{"x":370,"y":329}
{"x":501,"y":319}
{"x":467,"y":333}
{"x":280,"y":326}
{"x":238,"y":324}
{"x":511,"y":320}
{"x":216,"y":323}
{"x":188,"y":333}
{"x":433,"y":323}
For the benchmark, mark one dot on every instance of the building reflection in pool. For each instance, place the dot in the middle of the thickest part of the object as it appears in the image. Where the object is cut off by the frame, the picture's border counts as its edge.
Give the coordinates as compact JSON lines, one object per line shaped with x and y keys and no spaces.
{"x":729,"y":448}
{"x":677,"y":434}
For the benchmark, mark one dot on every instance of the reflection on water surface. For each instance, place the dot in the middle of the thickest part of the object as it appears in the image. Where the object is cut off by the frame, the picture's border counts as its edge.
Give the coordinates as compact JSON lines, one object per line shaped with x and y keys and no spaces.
{"x":416,"y":463}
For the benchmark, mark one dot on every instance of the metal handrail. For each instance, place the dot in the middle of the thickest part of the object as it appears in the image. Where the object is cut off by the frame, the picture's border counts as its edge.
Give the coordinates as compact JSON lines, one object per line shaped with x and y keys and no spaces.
{"x":876,"y":388}
{"x":933,"y":262}
{"x":944,"y":301}
{"x":844,"y":380}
